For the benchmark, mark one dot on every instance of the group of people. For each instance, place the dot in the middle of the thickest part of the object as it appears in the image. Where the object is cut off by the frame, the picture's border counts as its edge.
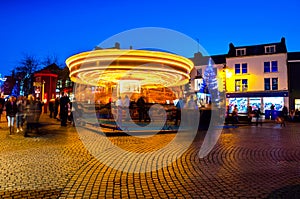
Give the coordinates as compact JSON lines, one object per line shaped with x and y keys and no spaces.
{"x":21,"y":110}
{"x":61,"y":109}
{"x":27,"y":110}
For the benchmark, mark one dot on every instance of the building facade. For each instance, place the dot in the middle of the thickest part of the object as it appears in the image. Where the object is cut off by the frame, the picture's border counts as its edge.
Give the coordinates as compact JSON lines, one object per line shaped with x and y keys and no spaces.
{"x":255,"y":75}
{"x":260,"y":77}
{"x":294,"y":74}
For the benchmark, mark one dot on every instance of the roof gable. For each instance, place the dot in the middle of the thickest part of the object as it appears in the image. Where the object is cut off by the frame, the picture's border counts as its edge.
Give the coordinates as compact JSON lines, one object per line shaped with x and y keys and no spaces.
{"x":280,"y":47}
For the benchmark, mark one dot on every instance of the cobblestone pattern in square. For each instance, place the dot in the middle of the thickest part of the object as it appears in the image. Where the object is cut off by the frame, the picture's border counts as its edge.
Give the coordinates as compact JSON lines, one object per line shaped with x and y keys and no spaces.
{"x":247,"y":162}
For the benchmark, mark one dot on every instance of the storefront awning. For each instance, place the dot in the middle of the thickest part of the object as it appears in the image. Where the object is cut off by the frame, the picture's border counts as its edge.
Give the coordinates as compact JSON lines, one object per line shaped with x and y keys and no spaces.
{"x":258,"y":94}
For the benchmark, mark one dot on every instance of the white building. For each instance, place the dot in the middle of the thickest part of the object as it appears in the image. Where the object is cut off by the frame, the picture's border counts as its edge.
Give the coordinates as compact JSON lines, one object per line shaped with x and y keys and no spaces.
{"x":259,"y":76}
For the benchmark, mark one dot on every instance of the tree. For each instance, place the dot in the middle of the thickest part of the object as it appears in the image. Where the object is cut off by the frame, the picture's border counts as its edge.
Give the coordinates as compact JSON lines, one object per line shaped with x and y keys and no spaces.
{"x":24,"y":73}
{"x":212,"y":83}
{"x":51,"y":59}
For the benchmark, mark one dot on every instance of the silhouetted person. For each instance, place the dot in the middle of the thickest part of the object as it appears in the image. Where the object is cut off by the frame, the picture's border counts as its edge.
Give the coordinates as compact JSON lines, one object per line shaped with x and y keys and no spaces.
{"x":249,"y":114}
{"x":257,"y":115}
{"x":285,"y":112}
{"x":64,"y":100}
{"x":179,"y":106}
{"x":11,"y":111}
{"x":56,"y":106}
{"x":51,"y":107}
{"x":141,"y":108}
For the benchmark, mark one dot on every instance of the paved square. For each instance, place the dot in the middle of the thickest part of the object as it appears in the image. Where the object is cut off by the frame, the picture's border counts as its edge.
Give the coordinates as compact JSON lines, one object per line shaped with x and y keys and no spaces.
{"x":249,"y":161}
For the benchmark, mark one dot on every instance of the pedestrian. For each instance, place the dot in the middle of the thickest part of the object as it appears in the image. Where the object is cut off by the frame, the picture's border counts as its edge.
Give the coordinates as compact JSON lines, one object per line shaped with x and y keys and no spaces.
{"x":249,"y":114}
{"x":257,"y":115}
{"x":126,"y":104}
{"x":40,"y":105}
{"x":64,"y":101}
{"x":56,"y":107}
{"x":235,"y":118}
{"x":51,"y":107}
{"x":11,"y":111}
{"x":280,"y":120}
{"x":119,"y":106}
{"x":141,"y":108}
{"x":179,"y":106}
{"x":20,"y":113}
{"x":2,"y":103}
{"x":285,"y":112}
{"x":75,"y":112}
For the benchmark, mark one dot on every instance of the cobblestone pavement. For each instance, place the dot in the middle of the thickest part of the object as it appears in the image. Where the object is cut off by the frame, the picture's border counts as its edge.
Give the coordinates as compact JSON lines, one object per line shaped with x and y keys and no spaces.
{"x":247,"y":162}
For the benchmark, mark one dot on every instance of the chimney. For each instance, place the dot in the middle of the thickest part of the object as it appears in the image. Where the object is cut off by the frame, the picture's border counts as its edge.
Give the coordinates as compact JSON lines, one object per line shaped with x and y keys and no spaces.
{"x":117,"y":45}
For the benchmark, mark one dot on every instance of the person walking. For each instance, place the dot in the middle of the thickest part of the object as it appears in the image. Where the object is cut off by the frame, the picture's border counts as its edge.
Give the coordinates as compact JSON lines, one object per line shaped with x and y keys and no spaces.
{"x":51,"y":107}
{"x":235,"y":118}
{"x":56,"y":108}
{"x":141,"y":108}
{"x":119,"y":107}
{"x":64,"y":101}
{"x":11,"y":111}
{"x":249,"y":114}
{"x":126,"y":104}
{"x":20,"y":113}
{"x":257,"y":116}
{"x":179,"y":106}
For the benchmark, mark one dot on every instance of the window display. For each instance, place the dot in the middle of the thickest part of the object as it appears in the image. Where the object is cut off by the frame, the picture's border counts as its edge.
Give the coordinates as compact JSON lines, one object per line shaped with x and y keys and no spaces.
{"x":241,"y":104}
{"x":278,"y":103}
{"x":255,"y":103}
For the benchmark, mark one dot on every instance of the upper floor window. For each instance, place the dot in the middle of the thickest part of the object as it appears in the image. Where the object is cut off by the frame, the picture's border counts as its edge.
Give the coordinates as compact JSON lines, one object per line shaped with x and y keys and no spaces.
{"x":274,"y":83}
{"x":240,"y":51}
{"x":241,"y":85}
{"x":268,"y":84}
{"x":241,"y":68}
{"x":270,"y":66}
{"x":199,"y":72}
{"x":270,"y":49}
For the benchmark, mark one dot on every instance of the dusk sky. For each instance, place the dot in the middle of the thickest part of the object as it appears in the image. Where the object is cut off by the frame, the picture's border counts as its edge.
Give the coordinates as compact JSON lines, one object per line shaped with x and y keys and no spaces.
{"x":64,"y":28}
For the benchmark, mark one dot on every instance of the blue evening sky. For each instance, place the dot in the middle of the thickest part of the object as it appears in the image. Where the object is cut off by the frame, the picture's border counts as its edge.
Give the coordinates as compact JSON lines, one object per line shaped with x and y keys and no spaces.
{"x":63,"y":28}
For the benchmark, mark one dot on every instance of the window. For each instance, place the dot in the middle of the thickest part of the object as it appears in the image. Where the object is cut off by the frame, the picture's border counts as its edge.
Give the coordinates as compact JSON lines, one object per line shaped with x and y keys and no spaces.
{"x":266,"y":67}
{"x":238,"y":69}
{"x":270,"y":49}
{"x":237,"y":85}
{"x":270,"y":66}
{"x":274,"y":66}
{"x":59,"y":84}
{"x":244,"y":68}
{"x":241,"y":85}
{"x":267,"y":84}
{"x":199,"y":72}
{"x":274,"y":83}
{"x":244,"y":84}
{"x":240,"y":51}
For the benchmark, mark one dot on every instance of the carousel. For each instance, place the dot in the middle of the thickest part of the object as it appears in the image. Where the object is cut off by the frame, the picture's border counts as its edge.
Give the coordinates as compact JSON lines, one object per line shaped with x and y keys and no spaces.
{"x":108,"y":74}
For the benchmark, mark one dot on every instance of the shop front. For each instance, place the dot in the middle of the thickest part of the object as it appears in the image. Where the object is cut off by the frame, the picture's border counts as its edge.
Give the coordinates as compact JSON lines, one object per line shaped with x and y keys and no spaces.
{"x":268,"y":102}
